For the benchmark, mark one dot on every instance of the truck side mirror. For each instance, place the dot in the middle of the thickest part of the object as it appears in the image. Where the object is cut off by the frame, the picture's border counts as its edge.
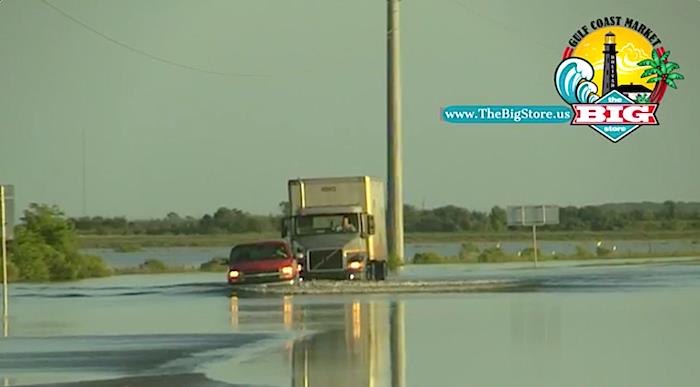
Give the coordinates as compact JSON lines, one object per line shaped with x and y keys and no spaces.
{"x":370,"y":224}
{"x":284,"y":227}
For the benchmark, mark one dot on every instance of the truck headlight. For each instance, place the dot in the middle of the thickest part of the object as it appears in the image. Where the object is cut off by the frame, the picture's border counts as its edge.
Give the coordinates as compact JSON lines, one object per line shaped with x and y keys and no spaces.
{"x":355,"y":261}
{"x":355,"y":265}
{"x":233,"y":274}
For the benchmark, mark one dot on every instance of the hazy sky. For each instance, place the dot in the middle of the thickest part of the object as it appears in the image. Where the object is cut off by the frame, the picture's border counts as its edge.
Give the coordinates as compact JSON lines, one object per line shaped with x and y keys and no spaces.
{"x":162,"y":137}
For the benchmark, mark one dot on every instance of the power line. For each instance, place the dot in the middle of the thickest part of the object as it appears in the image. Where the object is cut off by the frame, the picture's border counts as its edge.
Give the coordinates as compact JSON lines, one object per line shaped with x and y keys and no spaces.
{"x":518,"y":33}
{"x":142,"y":52}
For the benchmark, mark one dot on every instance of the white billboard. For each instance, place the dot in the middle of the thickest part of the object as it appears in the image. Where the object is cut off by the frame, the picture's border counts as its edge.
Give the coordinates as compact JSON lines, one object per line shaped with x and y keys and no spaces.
{"x":532,"y":215}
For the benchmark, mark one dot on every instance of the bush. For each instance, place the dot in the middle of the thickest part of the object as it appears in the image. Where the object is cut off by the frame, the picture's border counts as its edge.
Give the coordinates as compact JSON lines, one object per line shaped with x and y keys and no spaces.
{"x":428,"y":257}
{"x":12,"y":272}
{"x":529,"y":252}
{"x":469,"y":252}
{"x":153,"y":266}
{"x":128,"y":248}
{"x":582,"y":252}
{"x":62,"y":268}
{"x":394,"y":263}
{"x":92,"y":266}
{"x":602,"y":251}
{"x":30,"y":257}
{"x":492,"y":254}
{"x":45,"y":249}
{"x":215,"y":264}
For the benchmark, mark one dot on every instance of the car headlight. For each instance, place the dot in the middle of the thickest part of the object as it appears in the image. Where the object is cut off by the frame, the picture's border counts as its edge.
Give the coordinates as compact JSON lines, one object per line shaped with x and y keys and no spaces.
{"x":234,"y":274}
{"x":287,"y":271}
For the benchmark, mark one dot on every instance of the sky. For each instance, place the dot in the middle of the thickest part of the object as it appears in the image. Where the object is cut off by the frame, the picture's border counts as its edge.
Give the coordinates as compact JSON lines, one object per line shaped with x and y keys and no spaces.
{"x":190,"y":105}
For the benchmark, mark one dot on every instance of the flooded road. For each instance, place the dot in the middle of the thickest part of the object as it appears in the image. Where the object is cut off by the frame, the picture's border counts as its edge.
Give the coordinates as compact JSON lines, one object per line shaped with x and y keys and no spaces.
{"x":194,"y":256}
{"x":626,"y":325}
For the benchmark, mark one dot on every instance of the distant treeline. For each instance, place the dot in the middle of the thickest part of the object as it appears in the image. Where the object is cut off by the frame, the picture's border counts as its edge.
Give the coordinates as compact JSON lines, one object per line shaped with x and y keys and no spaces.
{"x":666,"y":216}
{"x":223,"y":220}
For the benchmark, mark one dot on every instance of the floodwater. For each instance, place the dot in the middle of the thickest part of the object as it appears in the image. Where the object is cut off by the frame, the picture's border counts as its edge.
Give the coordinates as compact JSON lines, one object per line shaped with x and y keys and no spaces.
{"x":194,"y":256}
{"x":568,"y":325}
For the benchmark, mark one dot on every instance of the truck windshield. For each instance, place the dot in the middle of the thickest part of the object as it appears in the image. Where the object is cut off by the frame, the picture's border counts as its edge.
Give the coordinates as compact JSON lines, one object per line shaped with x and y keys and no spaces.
{"x":245,"y":253}
{"x":327,"y":224}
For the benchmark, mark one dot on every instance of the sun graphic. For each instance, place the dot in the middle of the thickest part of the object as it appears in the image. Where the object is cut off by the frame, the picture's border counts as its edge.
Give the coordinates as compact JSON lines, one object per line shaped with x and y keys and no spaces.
{"x":631,"y":48}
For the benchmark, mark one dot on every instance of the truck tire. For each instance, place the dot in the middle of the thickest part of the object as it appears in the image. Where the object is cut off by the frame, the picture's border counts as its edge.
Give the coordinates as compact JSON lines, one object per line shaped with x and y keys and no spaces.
{"x":380,"y":271}
{"x":376,"y":271}
{"x":369,"y":271}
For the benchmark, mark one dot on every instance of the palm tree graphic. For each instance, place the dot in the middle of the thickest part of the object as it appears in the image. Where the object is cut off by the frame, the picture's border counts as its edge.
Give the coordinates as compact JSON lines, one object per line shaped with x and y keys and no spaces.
{"x":662,"y":71}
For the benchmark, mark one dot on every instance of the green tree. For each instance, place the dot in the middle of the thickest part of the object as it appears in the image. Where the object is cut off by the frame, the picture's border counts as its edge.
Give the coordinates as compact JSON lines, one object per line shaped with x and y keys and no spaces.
{"x":51,"y":226}
{"x":669,"y":209}
{"x":498,"y":219}
{"x":46,"y":249}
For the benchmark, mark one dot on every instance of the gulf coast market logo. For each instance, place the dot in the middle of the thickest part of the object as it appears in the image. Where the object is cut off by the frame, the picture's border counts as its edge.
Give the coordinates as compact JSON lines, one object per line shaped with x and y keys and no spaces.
{"x":613,"y":75}
{"x":606,"y":73}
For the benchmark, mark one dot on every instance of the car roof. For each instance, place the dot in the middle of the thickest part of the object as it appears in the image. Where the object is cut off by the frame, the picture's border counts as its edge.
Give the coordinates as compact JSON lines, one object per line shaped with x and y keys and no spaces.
{"x":263,"y":243}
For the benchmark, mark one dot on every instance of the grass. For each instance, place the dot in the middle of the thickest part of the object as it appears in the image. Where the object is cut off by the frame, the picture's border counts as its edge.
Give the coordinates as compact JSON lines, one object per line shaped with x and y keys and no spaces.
{"x":494,"y":255}
{"x":128,"y":248}
{"x":526,"y":234}
{"x":149,"y":241}
{"x":166,"y":270}
{"x":156,"y":266}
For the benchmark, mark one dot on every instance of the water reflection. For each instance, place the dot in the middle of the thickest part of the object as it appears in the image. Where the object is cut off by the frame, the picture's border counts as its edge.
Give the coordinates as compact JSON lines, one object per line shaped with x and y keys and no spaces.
{"x":535,"y":323}
{"x":6,"y":333}
{"x":357,"y":343}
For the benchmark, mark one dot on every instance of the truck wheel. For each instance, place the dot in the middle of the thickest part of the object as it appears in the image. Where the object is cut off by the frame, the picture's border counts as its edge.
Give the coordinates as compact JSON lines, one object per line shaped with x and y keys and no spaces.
{"x":380,"y":270}
{"x":370,"y":271}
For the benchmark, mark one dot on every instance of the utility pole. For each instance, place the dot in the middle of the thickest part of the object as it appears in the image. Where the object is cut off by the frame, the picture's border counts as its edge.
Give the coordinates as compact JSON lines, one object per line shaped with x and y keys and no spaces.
{"x":3,"y":251}
{"x":84,"y":176}
{"x":394,"y":173}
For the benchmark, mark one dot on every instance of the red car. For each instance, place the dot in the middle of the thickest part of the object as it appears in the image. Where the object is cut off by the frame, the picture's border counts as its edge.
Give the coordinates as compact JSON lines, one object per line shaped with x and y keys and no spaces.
{"x":262,"y":262}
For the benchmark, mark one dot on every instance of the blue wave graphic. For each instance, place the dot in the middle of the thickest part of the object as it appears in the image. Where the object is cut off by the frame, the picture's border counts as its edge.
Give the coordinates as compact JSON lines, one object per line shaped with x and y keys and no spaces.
{"x":573,"y":81}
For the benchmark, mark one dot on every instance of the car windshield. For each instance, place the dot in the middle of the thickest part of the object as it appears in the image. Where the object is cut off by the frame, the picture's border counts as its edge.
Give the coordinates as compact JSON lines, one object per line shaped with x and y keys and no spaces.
{"x":327,"y":224}
{"x":245,"y":253}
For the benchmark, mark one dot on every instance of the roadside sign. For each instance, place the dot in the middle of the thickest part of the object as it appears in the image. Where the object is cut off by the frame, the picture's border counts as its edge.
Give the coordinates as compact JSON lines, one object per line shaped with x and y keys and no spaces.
{"x":532,"y":215}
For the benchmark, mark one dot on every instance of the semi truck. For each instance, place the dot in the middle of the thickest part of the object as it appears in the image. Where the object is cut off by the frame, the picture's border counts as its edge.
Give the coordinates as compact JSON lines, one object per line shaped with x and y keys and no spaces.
{"x":336,"y":226}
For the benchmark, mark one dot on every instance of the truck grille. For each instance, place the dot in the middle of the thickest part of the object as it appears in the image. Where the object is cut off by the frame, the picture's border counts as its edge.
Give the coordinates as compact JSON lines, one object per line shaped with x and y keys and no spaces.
{"x":325,"y":259}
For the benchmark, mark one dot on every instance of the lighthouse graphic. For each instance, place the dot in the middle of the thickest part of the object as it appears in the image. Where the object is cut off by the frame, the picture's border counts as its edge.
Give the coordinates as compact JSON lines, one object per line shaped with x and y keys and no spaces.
{"x":631,"y":91}
{"x":609,"y":64}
